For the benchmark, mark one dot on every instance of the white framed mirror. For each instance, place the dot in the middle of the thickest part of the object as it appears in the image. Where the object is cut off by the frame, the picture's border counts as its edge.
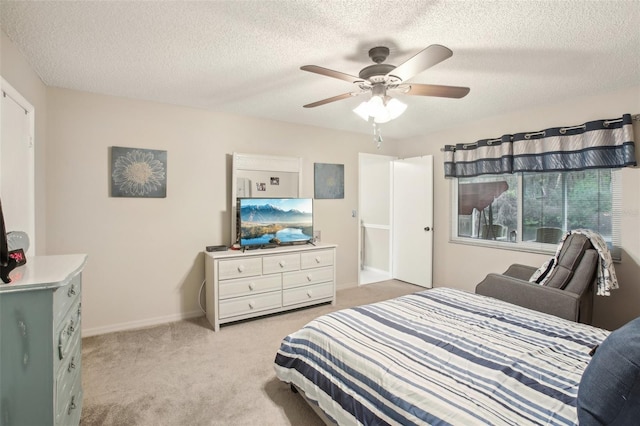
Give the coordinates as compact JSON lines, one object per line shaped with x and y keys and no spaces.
{"x":263,"y":176}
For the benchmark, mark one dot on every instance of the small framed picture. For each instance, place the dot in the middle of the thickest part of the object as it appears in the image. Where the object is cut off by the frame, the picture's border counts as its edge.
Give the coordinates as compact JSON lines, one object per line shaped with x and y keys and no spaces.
{"x":275,"y":181}
{"x":261,"y":186}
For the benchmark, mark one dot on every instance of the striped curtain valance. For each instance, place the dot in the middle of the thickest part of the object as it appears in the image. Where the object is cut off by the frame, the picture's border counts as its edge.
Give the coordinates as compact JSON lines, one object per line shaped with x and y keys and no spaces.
{"x":484,"y":157}
{"x":596,"y":144}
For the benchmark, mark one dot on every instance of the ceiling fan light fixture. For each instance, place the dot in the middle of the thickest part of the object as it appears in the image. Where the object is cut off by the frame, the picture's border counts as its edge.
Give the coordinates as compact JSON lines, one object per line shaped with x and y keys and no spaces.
{"x":395,"y":108}
{"x":363,"y":111}
{"x":380,"y":110}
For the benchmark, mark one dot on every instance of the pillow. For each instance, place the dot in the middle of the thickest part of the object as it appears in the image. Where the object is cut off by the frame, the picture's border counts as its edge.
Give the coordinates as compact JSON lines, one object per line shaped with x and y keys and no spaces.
{"x":541,"y":273}
{"x":609,"y":391}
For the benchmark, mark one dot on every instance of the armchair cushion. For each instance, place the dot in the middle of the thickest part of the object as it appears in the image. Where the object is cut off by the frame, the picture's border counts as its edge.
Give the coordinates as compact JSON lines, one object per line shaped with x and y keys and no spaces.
{"x":569,"y":257}
{"x":558,"y":271}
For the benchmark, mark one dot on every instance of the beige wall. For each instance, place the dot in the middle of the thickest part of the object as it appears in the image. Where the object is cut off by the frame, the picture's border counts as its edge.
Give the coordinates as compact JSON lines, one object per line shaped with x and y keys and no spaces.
{"x":145,"y":255}
{"x":609,"y":312}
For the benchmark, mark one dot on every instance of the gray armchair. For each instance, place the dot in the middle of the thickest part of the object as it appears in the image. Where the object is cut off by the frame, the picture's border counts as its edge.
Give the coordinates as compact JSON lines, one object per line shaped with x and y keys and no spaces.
{"x":568,"y":291}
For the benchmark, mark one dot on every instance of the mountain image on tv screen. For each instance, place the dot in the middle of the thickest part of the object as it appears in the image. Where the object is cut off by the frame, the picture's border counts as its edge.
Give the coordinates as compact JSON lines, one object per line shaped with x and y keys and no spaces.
{"x":266,"y":221}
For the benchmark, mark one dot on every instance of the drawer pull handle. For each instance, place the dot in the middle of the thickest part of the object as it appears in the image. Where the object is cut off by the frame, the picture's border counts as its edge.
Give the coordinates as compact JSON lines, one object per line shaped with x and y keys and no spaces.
{"x":252,"y":286}
{"x":282,"y":263}
{"x":309,"y":294}
{"x":72,"y":364}
{"x":72,"y":405}
{"x":252,"y":305}
{"x":72,"y":290}
{"x":309,"y":277}
{"x":241,"y":268}
{"x":317,"y":259}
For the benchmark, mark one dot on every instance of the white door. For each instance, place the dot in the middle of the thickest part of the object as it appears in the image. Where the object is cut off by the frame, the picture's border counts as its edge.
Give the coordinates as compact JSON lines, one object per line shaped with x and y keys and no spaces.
{"x":413,"y":220}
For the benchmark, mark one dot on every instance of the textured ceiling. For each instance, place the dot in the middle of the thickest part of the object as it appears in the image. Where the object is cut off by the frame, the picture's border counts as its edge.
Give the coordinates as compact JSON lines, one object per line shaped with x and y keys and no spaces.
{"x":244,"y":57}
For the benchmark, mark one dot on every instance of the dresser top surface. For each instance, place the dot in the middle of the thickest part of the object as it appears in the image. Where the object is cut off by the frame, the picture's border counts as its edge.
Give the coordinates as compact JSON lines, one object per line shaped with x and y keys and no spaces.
{"x":267,"y":251}
{"x":44,"y":272}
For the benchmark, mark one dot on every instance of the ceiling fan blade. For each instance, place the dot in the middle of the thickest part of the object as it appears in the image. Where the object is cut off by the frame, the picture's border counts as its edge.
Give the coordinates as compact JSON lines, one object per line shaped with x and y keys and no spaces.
{"x":436,"y":90}
{"x":331,"y":73}
{"x":326,"y":101}
{"x":424,"y":59}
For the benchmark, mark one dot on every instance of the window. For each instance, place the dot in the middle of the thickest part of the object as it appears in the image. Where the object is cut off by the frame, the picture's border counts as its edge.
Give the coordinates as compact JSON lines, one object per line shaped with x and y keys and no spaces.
{"x":531,"y":210}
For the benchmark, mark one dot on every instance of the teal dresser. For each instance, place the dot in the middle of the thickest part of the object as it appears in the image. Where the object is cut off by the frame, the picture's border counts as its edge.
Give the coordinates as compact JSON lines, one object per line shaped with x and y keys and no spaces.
{"x":40,"y":345}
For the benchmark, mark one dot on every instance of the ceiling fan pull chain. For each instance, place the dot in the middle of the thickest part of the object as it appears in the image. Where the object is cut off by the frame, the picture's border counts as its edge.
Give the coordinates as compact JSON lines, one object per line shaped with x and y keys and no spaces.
{"x":377,"y":135}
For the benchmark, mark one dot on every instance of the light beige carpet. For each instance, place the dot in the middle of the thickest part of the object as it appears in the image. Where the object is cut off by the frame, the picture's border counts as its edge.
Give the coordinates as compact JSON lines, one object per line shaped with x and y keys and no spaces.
{"x":183,"y":373}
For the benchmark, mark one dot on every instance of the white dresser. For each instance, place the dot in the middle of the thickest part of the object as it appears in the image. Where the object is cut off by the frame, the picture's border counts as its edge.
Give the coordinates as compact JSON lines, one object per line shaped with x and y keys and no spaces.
{"x":40,"y":342}
{"x":241,"y":285}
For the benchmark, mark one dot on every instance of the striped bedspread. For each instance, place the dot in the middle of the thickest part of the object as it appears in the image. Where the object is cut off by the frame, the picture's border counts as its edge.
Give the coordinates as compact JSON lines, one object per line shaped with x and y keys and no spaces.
{"x":440,"y":356}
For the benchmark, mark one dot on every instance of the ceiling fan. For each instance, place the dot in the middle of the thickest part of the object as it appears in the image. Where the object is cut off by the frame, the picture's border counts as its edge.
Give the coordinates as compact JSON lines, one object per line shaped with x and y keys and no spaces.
{"x":381,"y":78}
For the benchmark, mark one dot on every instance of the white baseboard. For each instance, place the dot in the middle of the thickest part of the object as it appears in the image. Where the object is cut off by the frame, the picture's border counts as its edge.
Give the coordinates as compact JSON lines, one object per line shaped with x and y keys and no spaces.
{"x":371,"y":275}
{"x":376,"y":271}
{"x":94,"y":331}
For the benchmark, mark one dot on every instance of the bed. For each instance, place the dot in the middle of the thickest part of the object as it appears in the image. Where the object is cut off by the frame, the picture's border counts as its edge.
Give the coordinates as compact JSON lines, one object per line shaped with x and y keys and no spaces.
{"x":440,"y":356}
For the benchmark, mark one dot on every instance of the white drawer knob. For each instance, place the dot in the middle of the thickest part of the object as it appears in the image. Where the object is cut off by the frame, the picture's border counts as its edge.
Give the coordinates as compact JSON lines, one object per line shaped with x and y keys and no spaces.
{"x":252,"y":286}
{"x":317,"y":259}
{"x":309,"y":294}
{"x":252,"y":305}
{"x":309,"y":277}
{"x":241,"y":268}
{"x":282,"y":263}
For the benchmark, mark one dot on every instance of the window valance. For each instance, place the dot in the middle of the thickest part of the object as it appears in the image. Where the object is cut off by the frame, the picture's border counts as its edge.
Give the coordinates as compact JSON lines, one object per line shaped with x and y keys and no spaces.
{"x":596,"y":144}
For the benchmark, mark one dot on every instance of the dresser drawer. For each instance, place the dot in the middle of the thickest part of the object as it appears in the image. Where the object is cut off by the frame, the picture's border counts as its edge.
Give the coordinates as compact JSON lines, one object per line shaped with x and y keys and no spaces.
{"x":308,"y":293}
{"x":68,"y":382}
{"x":280,"y":263}
{"x":64,"y":297}
{"x":239,"y":268}
{"x":306,"y":277}
{"x":69,"y":406}
{"x":247,"y":286}
{"x":250,"y":304}
{"x":316,"y":259}
{"x":67,"y":336}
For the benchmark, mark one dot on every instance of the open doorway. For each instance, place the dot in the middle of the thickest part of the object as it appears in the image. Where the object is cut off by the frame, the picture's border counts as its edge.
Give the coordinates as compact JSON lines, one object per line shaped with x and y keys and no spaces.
{"x":396,"y":219}
{"x":375,"y":180}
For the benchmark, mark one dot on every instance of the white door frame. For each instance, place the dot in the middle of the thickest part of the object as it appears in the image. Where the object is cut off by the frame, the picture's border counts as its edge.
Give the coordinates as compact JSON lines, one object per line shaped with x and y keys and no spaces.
{"x":29,"y":183}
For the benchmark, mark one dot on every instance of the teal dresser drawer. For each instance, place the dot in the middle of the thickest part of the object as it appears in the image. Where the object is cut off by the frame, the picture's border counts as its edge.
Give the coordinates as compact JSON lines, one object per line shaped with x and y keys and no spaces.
{"x":64,"y":297}
{"x":68,"y":335}
{"x":69,"y":384}
{"x":70,"y":408}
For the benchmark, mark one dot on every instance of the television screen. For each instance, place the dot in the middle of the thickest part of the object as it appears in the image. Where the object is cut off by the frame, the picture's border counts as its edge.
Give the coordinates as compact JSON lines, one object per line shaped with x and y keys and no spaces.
{"x":265,"y":221}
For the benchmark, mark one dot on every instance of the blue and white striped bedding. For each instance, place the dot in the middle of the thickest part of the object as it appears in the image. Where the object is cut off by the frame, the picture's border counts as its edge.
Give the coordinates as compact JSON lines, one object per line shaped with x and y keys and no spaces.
{"x":440,"y":356}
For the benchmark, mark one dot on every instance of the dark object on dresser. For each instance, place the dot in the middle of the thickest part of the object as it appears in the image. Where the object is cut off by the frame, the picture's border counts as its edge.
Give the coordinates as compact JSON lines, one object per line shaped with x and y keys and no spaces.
{"x":567,"y":293}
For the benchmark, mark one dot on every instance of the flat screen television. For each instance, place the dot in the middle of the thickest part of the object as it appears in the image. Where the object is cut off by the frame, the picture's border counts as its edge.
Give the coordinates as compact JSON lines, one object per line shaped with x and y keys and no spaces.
{"x":279,"y":221}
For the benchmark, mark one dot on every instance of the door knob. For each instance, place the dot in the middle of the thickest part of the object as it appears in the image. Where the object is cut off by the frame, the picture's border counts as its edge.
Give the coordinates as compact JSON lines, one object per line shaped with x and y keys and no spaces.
{"x":427,"y":228}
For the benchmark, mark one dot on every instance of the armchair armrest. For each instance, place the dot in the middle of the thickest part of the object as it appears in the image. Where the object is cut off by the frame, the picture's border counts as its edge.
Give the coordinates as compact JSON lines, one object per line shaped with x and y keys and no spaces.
{"x":519,"y":271}
{"x":552,"y":301}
